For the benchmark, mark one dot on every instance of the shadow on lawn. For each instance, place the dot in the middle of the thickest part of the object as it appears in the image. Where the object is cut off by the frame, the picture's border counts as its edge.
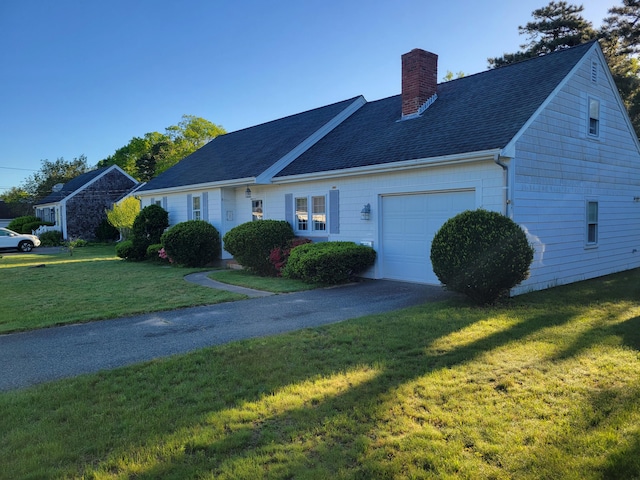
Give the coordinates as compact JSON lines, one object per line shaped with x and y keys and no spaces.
{"x":276,"y":442}
{"x":332,"y":433}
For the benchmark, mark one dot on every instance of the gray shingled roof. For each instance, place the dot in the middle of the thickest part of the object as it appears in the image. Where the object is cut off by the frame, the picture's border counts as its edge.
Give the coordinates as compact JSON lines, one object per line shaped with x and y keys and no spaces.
{"x":71,"y":186}
{"x":246,"y":153}
{"x":474,"y":113}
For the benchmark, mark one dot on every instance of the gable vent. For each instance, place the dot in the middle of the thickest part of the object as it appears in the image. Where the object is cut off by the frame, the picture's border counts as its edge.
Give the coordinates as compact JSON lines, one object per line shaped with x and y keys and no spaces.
{"x":594,"y":72}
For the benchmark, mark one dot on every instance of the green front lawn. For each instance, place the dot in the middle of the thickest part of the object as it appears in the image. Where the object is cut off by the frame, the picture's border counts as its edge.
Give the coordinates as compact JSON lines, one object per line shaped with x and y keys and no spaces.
{"x":92,"y":284}
{"x":546,"y":386}
{"x":246,"y":279}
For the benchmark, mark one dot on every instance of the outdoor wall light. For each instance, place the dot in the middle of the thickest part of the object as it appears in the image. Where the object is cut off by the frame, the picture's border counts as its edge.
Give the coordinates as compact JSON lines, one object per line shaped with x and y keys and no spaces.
{"x":365,"y":213}
{"x":247,"y":193}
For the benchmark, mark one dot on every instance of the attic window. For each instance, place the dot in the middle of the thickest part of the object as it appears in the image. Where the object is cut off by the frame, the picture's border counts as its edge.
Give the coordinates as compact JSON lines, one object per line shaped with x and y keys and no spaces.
{"x":594,"y":72}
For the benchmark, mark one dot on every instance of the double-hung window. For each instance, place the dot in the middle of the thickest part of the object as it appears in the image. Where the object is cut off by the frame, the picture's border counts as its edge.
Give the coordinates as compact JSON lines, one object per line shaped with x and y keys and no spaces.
{"x":592,"y":223}
{"x":594,"y":117}
{"x":311,"y":208}
{"x":196,"y":208}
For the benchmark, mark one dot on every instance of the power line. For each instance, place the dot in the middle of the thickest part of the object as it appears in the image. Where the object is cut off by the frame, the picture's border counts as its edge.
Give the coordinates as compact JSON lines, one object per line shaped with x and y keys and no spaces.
{"x":14,"y":168}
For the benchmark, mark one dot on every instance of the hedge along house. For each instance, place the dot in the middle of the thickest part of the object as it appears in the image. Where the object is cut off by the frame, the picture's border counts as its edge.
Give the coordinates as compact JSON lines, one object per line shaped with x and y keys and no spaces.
{"x":546,"y":142}
{"x":78,"y":207}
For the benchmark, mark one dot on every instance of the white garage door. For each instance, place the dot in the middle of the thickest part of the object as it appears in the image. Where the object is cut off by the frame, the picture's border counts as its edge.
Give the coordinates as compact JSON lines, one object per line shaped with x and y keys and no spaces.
{"x":409,"y":223}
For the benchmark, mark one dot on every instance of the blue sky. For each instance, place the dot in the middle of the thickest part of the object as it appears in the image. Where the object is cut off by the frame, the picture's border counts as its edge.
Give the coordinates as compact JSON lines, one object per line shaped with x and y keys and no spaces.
{"x":84,"y":77}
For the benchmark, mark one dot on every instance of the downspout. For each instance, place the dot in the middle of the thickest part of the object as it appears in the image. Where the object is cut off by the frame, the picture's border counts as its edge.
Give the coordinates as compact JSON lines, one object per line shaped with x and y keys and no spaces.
{"x":507,"y":200}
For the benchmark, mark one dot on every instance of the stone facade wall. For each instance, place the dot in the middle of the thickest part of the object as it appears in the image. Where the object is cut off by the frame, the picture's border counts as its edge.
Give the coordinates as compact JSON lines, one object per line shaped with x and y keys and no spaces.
{"x":86,"y":210}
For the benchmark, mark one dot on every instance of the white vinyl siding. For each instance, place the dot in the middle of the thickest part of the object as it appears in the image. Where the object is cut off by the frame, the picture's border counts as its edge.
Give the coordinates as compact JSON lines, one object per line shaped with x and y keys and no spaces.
{"x":558,"y":170}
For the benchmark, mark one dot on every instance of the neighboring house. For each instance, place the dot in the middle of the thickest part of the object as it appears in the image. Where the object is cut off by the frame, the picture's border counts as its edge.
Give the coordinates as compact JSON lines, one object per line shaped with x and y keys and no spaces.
{"x":546,"y":142}
{"x":79,"y":206}
{"x":6,"y":214}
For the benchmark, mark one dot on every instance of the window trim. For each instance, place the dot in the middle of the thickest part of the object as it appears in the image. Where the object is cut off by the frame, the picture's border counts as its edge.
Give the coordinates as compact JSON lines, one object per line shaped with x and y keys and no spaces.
{"x":257,"y":212}
{"x":196,"y":213}
{"x":307,"y":215}
{"x":591,"y":222}
{"x":596,"y":118}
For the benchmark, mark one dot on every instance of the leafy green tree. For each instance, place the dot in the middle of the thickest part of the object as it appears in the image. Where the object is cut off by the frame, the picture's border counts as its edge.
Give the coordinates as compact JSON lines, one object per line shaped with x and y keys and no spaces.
{"x":18,"y":201}
{"x":188,"y":136}
{"x":147,"y":156}
{"x":40,"y":184}
{"x":127,"y":157}
{"x":123,"y":214}
{"x":450,"y":76}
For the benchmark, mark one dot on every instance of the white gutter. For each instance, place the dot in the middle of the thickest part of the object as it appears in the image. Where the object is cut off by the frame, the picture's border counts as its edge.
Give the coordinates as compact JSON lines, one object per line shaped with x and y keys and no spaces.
{"x":483,"y":155}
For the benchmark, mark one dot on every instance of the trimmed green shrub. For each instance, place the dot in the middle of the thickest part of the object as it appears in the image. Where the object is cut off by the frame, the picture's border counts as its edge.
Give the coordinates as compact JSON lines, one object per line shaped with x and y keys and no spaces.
{"x":51,"y":239}
{"x":105,"y":232}
{"x":251,"y":243}
{"x":328,"y":262}
{"x":194,"y":243}
{"x":27,"y":224}
{"x":125,"y":250}
{"x":147,"y":229}
{"x":482,"y":254}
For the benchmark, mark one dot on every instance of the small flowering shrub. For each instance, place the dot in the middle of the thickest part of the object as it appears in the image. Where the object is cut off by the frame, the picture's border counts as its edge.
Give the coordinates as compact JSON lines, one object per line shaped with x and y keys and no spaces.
{"x":251,"y":243}
{"x":280,"y":255}
{"x":162,"y":253}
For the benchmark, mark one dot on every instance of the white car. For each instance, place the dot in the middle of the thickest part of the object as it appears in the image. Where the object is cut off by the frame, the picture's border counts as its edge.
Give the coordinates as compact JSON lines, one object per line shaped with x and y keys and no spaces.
{"x":20,"y":241}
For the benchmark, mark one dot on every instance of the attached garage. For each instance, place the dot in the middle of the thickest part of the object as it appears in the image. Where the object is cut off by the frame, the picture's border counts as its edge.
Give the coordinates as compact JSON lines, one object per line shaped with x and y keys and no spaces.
{"x":409,"y":223}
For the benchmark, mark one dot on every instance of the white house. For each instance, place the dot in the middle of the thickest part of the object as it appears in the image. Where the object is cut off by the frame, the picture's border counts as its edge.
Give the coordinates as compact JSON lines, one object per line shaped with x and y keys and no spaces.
{"x":78,"y":206}
{"x":546,"y":141}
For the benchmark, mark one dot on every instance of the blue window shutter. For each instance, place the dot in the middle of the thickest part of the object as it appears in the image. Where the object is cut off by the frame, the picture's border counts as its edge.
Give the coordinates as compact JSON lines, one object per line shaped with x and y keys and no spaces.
{"x":334,"y":211}
{"x":189,"y":207}
{"x":164,"y":202}
{"x":205,"y":206}
{"x":153,"y":200}
{"x":288,"y":208}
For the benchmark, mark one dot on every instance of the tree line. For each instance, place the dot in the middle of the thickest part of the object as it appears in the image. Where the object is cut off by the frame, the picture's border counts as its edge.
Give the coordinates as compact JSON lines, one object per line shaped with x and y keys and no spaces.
{"x":143,"y":158}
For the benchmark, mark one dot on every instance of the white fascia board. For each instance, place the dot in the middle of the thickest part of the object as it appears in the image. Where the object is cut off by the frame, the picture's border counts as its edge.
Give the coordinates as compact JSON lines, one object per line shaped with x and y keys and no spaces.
{"x":236,"y":182}
{"x":483,"y":155}
{"x":266,"y":177}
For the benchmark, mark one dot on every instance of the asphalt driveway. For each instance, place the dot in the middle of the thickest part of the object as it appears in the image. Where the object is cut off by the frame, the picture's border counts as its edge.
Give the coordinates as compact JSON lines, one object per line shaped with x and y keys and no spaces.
{"x":49,"y":354}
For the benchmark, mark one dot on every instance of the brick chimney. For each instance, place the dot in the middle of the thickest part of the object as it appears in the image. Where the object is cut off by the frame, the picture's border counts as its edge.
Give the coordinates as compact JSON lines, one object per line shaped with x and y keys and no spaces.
{"x":419,"y":79}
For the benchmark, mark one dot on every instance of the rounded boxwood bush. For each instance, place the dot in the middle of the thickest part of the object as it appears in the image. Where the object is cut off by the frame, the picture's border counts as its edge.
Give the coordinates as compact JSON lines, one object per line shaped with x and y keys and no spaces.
{"x":328,"y":262}
{"x":251,"y":243}
{"x":482,"y":254}
{"x":125,"y":250}
{"x":194,"y":243}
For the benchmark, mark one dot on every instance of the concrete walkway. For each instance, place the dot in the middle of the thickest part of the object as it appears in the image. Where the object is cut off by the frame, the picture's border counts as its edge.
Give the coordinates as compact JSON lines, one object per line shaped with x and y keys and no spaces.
{"x":201,"y":278}
{"x":48,"y":354}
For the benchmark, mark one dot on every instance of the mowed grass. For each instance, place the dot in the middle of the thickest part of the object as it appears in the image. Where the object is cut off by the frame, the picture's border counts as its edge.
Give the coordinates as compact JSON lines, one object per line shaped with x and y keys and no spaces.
{"x":546,"y":386}
{"x":45,"y":290}
{"x":243,"y":278}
